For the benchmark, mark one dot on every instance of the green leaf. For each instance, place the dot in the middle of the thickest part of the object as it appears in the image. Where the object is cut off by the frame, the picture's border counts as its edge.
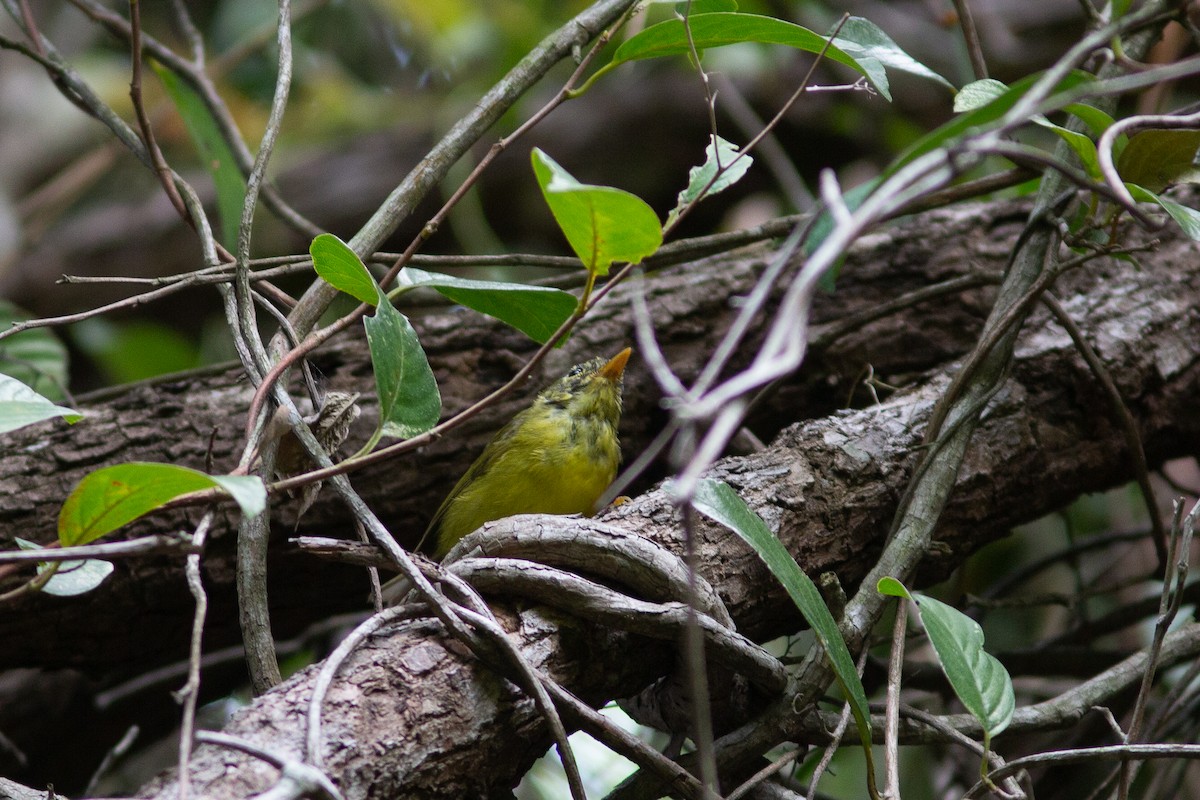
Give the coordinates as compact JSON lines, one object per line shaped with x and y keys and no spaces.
{"x":536,"y":311}
{"x":409,"y":400}
{"x":716,"y":500}
{"x":1098,"y":121}
{"x":1156,"y":159}
{"x":35,"y":357}
{"x":134,"y":350}
{"x":863,"y":40}
{"x":978,"y":94}
{"x":670,"y":38}
{"x":980,"y":681}
{"x":214,"y":152}
{"x":21,"y":406}
{"x":704,"y":180}
{"x":114,"y":496}
{"x":697,"y":7}
{"x":1084,"y":148}
{"x":603,"y":225}
{"x":1187,"y":218}
{"x":977,"y":118}
{"x":70,"y":577}
{"x":342,"y":269}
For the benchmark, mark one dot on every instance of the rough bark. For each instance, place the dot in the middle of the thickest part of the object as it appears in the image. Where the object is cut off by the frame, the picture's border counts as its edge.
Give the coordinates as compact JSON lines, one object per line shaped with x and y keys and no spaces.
{"x":828,"y":486}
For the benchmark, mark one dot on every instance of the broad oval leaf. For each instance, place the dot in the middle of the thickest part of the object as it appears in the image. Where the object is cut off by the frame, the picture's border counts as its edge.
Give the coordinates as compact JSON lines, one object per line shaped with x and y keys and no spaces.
{"x":1156,"y":159}
{"x":409,"y":400}
{"x":342,"y":269}
{"x":21,"y":406}
{"x":114,"y":496}
{"x":980,"y":681}
{"x":536,"y":311}
{"x":719,"y":502}
{"x":603,"y":225}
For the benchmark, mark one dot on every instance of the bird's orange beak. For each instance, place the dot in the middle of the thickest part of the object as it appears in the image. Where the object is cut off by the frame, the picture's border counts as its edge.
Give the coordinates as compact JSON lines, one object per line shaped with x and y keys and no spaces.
{"x":616,"y":365}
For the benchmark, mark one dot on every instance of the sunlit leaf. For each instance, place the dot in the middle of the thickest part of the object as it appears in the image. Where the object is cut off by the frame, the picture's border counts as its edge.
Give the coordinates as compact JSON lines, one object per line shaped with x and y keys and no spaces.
{"x":603,"y":225}
{"x":536,"y":311}
{"x":70,"y":578}
{"x":21,"y":406}
{"x":114,"y":496}
{"x":342,"y":269}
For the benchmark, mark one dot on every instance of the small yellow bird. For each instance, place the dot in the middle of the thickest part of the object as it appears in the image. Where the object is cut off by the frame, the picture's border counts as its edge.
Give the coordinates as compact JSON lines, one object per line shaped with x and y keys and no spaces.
{"x":555,"y":457}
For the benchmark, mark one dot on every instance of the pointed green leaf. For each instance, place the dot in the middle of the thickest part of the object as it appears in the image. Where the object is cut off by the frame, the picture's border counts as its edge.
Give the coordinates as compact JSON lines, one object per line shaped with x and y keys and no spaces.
{"x":705,"y":180}
{"x":716,"y":500}
{"x":1187,"y":218}
{"x":863,"y":40}
{"x":978,"y":679}
{"x":670,"y":38}
{"x":536,"y":311}
{"x":342,"y":269}
{"x":114,"y":496}
{"x":1156,"y":159}
{"x":21,"y":406}
{"x":603,"y":225}
{"x":409,"y":400}
{"x":978,"y":117}
{"x":214,"y":152}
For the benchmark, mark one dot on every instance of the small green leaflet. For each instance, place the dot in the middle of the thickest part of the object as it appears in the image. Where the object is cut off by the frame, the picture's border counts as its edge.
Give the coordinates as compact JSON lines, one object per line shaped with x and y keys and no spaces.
{"x":21,"y":406}
{"x":342,"y":269}
{"x":704,"y":180}
{"x":409,"y":400}
{"x":114,"y":496}
{"x":71,"y":577}
{"x":717,"y":501}
{"x":603,"y":225}
{"x":980,"y":681}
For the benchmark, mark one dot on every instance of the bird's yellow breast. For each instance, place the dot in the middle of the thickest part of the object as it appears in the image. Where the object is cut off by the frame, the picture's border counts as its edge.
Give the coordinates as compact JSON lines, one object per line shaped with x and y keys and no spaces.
{"x":551,"y":462}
